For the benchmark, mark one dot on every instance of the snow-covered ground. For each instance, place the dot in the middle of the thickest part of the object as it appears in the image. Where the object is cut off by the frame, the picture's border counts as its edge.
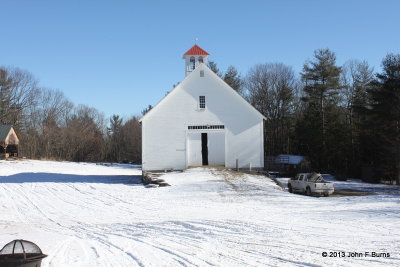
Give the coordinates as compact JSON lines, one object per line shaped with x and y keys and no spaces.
{"x":96,"y":215}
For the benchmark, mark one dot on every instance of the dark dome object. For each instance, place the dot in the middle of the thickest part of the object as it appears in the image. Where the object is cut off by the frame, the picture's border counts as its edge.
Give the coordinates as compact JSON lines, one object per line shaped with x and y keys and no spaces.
{"x":21,"y":253}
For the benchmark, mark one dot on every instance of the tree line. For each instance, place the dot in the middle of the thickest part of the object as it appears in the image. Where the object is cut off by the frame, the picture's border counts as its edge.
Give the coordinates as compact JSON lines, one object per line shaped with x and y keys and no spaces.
{"x":50,"y":126}
{"x":345,"y":119}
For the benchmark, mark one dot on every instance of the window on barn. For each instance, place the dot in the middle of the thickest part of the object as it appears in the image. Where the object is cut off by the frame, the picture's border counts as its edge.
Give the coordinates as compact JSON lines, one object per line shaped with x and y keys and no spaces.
{"x":200,"y":59}
{"x":202,"y":101}
{"x":192,"y":63}
{"x":206,"y":127}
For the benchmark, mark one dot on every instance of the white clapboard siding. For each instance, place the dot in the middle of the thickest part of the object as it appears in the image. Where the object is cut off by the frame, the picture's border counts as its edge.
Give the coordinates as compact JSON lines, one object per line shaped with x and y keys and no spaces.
{"x":167,"y":143}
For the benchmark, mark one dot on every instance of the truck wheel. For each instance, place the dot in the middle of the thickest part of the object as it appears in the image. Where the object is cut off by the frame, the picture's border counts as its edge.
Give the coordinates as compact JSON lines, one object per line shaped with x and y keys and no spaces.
{"x":308,"y":191}
{"x":290,"y":188}
{"x":326,"y":195}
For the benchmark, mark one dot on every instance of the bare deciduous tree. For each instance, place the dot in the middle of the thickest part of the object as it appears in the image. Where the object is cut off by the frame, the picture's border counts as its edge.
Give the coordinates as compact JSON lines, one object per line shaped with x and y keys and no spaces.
{"x":17,"y":92}
{"x":271,"y":88}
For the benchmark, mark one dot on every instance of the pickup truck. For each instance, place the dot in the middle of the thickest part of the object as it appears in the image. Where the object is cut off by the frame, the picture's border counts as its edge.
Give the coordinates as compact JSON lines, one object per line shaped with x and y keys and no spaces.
{"x":310,"y":184}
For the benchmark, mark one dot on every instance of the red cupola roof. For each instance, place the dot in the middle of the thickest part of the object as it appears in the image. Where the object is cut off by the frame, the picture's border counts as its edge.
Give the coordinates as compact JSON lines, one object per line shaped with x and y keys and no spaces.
{"x":196,"y":50}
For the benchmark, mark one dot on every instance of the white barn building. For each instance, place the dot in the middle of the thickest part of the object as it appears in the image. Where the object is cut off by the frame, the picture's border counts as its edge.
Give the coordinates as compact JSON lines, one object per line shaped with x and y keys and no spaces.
{"x":202,"y":121}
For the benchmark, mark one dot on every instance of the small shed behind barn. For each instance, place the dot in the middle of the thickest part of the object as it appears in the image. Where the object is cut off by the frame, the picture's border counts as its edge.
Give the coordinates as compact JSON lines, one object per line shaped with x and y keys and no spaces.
{"x":8,"y":142}
{"x":287,"y":164}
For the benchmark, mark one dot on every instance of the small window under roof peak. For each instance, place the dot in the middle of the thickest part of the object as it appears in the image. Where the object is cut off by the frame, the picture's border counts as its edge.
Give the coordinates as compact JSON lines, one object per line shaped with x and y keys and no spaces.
{"x":202,"y":102}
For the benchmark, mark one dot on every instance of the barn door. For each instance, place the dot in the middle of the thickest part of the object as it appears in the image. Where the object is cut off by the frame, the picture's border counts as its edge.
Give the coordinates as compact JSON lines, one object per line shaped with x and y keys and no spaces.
{"x":194,"y":149}
{"x":216,"y":149}
{"x":204,"y":148}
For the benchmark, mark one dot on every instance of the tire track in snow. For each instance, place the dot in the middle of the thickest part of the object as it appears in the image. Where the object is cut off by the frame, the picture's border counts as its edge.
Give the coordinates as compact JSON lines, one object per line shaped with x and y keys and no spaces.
{"x":168,"y":250}
{"x":109,"y":245}
{"x":8,"y":193}
{"x":98,"y":235}
{"x":181,"y":251}
{"x":111,"y":223}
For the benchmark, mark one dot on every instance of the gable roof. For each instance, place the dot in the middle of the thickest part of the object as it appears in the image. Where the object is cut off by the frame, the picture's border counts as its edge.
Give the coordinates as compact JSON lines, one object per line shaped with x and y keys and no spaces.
{"x":205,"y":67}
{"x":4,"y":131}
{"x":233,"y":91}
{"x":196,"y":50}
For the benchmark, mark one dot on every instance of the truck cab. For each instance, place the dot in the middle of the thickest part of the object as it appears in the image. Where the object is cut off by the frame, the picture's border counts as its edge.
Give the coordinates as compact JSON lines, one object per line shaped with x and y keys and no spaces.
{"x":310,"y":184}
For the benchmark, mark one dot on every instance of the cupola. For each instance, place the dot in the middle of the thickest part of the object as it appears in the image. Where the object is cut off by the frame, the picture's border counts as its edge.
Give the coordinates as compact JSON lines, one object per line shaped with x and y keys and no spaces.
{"x":193,"y":57}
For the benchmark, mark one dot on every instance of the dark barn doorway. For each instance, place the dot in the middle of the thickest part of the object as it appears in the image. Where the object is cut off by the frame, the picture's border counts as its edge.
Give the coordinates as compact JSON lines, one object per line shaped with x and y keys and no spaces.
{"x":204,"y":148}
{"x":12,"y":150}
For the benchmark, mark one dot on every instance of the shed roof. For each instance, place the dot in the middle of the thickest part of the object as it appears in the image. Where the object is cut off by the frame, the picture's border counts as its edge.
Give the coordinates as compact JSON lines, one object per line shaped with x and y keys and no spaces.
{"x":4,"y":131}
{"x":289,"y":159}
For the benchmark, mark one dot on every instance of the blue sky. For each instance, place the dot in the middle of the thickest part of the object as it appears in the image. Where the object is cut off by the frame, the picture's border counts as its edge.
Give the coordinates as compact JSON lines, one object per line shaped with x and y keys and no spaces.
{"x":119,"y":56}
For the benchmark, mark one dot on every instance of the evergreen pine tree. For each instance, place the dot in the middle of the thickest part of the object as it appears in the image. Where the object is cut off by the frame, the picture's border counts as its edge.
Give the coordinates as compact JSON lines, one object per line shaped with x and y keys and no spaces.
{"x":232,"y":78}
{"x":115,"y":137}
{"x":318,"y":131}
{"x":144,"y":111}
{"x":385,"y":115}
{"x":213,"y":66}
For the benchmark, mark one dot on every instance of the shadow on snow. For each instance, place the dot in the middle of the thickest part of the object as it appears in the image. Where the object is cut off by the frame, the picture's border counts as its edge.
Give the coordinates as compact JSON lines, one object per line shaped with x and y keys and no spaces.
{"x":29,"y":177}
